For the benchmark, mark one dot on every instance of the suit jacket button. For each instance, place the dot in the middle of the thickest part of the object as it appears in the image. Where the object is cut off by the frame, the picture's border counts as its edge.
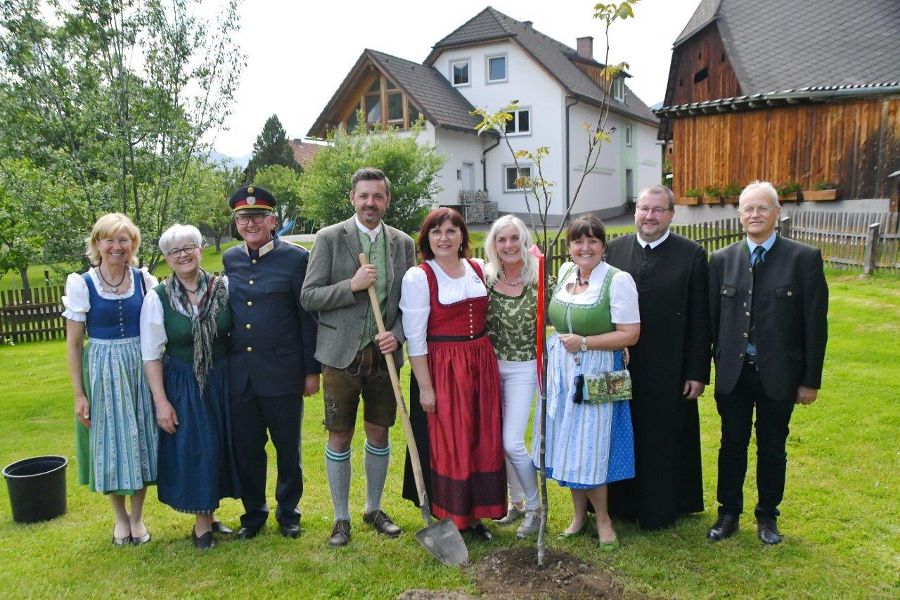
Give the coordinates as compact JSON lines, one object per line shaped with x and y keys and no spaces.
{"x":253,"y":261}
{"x":741,"y":356}
{"x":744,"y":334}
{"x":249,"y":302}
{"x":790,"y":293}
{"x":249,"y":348}
{"x":250,"y":282}
{"x":247,"y":326}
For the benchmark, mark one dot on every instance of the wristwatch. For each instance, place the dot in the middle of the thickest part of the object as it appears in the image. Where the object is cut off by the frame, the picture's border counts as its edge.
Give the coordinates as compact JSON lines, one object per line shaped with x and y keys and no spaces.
{"x":583,"y":346}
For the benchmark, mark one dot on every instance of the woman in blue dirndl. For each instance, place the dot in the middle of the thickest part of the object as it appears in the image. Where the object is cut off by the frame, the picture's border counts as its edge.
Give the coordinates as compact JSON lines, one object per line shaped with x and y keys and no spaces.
{"x":117,"y":435}
{"x":594,"y":310}
{"x":185,"y":327}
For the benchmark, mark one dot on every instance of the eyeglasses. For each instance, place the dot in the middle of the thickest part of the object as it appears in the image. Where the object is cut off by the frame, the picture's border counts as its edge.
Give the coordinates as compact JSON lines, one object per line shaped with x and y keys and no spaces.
{"x":256,"y":218}
{"x":185,"y":250}
{"x":652,"y":210}
{"x":749,"y":210}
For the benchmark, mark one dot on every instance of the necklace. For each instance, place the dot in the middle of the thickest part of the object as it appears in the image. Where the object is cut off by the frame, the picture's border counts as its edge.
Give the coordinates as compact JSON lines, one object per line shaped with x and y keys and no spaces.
{"x":110,"y":286}
{"x":189,"y":290}
{"x":578,"y":280}
{"x":507,"y":281}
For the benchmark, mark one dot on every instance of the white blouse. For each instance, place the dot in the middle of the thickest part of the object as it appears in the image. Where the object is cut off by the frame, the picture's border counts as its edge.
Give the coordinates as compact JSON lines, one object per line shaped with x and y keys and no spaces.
{"x":153,"y":329}
{"x":77,"y":301}
{"x":415,"y":301}
{"x":623,"y":295}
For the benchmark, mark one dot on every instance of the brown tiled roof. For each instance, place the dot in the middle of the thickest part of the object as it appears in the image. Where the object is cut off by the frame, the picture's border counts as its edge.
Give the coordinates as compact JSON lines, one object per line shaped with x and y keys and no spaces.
{"x":304,"y":153}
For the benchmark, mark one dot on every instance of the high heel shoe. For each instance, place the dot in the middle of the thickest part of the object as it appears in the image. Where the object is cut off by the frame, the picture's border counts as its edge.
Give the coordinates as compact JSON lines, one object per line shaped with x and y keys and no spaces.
{"x":141,"y":539}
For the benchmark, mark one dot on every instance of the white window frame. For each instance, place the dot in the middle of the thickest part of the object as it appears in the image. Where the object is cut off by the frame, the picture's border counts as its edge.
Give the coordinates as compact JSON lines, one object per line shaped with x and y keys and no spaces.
{"x":487,"y":67}
{"x":515,"y":120}
{"x":629,"y":135}
{"x":458,"y":61}
{"x":618,"y":89}
{"x":506,"y":169}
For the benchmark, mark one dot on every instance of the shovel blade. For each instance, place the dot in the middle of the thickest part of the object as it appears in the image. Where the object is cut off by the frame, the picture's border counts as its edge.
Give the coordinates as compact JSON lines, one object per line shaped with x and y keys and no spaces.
{"x":443,"y":541}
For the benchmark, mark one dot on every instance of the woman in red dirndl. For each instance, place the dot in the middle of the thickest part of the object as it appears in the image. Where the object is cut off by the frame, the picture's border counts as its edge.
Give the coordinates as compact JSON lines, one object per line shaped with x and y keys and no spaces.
{"x":455,"y":392}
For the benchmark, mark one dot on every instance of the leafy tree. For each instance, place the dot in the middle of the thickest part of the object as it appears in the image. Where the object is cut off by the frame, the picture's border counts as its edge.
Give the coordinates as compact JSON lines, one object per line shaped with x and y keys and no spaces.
{"x":32,"y":208}
{"x":284,"y":183}
{"x":116,"y":95}
{"x":208,"y":207}
{"x":411,"y":167}
{"x":272,"y":147}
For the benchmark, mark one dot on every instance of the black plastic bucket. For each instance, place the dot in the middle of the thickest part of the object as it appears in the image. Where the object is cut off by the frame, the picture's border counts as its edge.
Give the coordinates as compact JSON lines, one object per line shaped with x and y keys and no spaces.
{"x":37,"y":488}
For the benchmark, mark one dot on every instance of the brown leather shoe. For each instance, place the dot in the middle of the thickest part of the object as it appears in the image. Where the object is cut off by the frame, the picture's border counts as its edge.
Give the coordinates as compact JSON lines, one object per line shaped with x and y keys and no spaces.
{"x":382,"y":523}
{"x":340,"y":534}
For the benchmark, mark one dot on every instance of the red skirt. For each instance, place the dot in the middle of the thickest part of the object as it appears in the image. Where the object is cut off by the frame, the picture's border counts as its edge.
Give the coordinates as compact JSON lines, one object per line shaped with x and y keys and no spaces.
{"x":466,"y":480}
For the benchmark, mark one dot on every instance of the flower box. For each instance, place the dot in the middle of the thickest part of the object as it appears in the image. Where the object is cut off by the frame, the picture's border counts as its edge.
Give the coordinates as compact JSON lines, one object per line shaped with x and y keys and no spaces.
{"x":819,"y":195}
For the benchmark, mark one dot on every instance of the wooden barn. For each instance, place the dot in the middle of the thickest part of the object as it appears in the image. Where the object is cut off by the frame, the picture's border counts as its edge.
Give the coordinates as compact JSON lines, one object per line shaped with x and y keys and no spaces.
{"x":803,"y":93}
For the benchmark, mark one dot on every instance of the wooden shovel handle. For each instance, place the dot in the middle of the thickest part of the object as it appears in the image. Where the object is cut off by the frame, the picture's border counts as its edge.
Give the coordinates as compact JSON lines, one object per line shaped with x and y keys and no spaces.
{"x":401,"y":404}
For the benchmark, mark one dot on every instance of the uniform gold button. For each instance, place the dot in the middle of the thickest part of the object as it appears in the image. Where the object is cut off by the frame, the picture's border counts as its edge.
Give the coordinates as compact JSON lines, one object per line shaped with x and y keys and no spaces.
{"x":249,"y":348}
{"x":247,"y":326}
{"x":249,"y":302}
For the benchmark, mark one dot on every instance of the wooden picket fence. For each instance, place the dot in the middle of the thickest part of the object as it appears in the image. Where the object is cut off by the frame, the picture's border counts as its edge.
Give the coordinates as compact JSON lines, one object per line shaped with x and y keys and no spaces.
{"x":848,"y":240}
{"x":34,"y":320}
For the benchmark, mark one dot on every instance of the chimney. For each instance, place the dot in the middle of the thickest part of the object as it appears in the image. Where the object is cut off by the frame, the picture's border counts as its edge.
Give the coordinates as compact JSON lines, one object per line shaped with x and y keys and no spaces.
{"x":527,"y":24}
{"x":585,"y":47}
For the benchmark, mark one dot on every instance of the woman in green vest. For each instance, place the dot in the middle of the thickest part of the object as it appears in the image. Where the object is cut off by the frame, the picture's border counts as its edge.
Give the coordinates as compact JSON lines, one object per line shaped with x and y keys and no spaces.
{"x":185,"y":324}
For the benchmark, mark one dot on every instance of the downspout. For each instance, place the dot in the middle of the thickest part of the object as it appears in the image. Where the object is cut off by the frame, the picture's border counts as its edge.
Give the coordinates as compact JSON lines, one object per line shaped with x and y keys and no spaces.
{"x":568,"y":171}
{"x":484,"y":163}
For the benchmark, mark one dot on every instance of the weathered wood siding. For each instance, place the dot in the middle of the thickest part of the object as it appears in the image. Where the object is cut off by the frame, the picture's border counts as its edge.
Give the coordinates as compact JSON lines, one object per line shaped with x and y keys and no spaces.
{"x":703,"y":51}
{"x":855,"y":144}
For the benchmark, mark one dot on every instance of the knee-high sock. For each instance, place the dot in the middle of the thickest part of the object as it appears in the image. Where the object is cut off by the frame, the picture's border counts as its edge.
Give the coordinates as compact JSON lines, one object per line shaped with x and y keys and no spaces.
{"x":337,"y":466}
{"x":376,"y":463}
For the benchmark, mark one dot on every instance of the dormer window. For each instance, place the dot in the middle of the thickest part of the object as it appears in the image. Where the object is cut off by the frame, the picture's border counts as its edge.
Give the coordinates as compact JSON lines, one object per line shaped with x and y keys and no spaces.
{"x":496,"y":69}
{"x":459,"y":72}
{"x":618,"y":89}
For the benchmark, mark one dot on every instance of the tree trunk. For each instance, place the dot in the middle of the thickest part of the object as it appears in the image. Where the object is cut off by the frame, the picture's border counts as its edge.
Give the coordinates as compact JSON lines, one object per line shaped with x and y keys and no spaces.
{"x":26,"y":285}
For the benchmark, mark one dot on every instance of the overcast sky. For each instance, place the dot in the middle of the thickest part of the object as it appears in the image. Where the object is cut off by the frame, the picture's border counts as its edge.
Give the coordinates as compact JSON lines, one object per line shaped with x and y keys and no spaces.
{"x":298,"y":51}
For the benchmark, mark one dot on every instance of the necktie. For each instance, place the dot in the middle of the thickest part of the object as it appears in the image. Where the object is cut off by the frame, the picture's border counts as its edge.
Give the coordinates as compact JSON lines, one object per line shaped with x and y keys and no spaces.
{"x":757,"y":256}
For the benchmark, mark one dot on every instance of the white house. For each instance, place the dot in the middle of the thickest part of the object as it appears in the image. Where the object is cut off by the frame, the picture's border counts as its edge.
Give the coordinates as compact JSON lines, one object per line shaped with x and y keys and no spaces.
{"x":487,"y":62}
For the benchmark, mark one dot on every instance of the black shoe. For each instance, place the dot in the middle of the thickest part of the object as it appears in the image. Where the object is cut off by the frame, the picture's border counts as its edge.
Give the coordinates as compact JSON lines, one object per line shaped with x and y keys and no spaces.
{"x":382,"y":523}
{"x":340,"y":534}
{"x":478,"y":531}
{"x":768,"y":532}
{"x":290,"y":530}
{"x":221,"y":528}
{"x":204,"y":541}
{"x":247,"y":533}
{"x":724,"y":527}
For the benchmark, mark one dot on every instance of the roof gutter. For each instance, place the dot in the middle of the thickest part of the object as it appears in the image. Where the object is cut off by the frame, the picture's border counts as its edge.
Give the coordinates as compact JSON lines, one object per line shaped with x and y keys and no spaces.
{"x":484,"y":163}
{"x":568,"y":170}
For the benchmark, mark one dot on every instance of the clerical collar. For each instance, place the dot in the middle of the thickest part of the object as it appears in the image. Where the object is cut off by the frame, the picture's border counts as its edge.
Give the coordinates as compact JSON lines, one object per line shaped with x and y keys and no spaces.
{"x":372,"y":233}
{"x":653,"y":245}
{"x":265,"y":249}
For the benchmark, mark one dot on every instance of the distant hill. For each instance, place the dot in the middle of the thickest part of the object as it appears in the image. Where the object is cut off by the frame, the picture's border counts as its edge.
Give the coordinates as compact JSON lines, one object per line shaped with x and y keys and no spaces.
{"x":240,"y":161}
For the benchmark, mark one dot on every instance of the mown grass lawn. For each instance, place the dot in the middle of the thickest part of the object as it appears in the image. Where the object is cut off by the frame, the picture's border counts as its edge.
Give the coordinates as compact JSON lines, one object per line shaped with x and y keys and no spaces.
{"x":840,"y":514}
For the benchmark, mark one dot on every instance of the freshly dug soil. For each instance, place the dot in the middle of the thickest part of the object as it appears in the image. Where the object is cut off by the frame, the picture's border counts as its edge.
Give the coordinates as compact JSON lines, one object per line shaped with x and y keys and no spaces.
{"x":514,"y":574}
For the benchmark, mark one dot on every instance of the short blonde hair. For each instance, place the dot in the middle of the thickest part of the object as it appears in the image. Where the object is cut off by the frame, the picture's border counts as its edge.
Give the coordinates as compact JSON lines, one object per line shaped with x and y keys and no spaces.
{"x":107,"y":225}
{"x":529,"y":262}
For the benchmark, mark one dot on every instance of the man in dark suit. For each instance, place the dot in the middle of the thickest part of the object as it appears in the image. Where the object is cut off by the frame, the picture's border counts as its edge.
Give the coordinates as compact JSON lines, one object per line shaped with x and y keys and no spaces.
{"x":768,"y":304}
{"x":273,"y":340}
{"x":669,"y":365}
{"x":349,"y":345}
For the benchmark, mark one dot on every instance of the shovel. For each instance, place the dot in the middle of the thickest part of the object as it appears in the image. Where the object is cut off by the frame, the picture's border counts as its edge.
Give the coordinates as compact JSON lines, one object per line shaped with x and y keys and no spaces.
{"x":441,"y":539}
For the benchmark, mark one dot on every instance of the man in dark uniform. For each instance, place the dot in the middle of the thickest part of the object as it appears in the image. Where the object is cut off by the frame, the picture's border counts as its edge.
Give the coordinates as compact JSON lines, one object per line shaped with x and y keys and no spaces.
{"x":769,"y":309}
{"x":273,"y":342}
{"x":669,"y":365}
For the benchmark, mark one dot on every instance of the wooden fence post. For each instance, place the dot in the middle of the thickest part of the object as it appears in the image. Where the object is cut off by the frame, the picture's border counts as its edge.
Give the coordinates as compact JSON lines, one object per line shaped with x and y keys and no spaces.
{"x":786,"y":227}
{"x":871,"y":260}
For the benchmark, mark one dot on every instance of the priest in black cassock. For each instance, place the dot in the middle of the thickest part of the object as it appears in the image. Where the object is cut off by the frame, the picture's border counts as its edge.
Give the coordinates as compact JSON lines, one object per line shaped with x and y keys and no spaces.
{"x":669,"y":365}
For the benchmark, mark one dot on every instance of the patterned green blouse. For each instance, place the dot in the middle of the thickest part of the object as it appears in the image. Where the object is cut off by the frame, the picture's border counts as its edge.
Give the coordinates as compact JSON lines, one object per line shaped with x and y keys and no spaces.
{"x":512,"y":324}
